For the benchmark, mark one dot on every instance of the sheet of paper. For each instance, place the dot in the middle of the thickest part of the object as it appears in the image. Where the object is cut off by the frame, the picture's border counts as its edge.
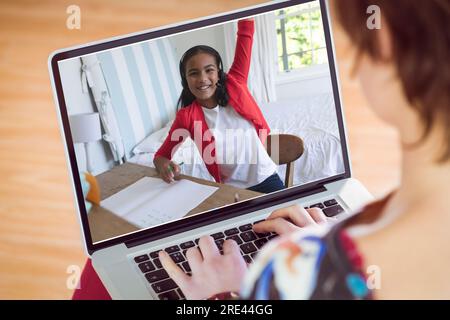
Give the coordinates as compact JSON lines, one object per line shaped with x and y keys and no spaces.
{"x":151,"y":201}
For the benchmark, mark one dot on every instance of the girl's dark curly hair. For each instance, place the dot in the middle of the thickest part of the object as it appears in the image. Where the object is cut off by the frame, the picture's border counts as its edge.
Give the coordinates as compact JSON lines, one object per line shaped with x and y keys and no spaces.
{"x":186,"y":97}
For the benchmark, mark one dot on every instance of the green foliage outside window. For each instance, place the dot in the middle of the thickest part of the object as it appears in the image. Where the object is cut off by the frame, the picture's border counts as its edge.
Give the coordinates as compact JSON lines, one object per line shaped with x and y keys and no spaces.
{"x":300,"y":37}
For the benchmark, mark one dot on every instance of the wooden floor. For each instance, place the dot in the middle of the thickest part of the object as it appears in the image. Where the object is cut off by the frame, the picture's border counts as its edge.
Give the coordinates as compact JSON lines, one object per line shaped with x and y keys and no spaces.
{"x":39,"y":233}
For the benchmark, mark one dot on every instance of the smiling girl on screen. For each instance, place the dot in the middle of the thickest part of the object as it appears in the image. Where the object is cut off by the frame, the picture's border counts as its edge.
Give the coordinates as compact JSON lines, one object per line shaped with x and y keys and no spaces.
{"x":212,"y":103}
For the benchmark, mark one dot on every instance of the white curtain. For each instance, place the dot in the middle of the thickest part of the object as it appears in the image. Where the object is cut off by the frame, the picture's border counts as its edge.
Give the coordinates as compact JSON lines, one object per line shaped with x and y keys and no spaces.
{"x":261,"y":80}
{"x":92,"y":77}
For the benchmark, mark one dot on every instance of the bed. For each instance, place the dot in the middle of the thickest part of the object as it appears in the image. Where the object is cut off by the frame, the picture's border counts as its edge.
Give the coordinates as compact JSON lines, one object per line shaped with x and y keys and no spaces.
{"x":313,"y":118}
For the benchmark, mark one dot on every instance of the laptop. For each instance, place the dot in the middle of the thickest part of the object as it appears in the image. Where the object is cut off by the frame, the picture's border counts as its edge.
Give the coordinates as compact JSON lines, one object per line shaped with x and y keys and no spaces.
{"x":116,"y":100}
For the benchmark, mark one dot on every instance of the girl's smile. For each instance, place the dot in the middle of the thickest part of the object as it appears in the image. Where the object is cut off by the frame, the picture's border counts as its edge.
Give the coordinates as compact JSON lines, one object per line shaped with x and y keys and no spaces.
{"x":203,"y":88}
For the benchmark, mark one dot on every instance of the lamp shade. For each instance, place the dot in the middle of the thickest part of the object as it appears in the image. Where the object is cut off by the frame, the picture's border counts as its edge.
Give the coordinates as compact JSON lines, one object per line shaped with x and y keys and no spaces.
{"x":85,"y":127}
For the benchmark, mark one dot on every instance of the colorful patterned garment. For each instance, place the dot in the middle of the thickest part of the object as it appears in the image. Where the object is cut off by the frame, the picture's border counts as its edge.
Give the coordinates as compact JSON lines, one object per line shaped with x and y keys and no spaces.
{"x":321,"y":262}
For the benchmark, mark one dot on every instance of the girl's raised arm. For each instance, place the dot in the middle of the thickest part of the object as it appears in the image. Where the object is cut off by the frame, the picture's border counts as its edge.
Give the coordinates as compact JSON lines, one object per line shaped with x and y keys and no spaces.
{"x":242,"y":56}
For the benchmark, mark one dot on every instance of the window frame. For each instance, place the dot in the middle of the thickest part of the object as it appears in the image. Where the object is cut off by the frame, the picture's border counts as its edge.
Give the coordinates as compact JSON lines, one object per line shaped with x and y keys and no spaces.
{"x":308,"y":71}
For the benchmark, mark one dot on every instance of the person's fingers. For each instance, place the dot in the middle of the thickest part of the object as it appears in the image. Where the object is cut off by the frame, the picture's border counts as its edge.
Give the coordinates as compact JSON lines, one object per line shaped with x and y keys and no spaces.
{"x":176,"y":171}
{"x":230,"y":247}
{"x":296,"y":214}
{"x":168,"y":174}
{"x":208,"y":247}
{"x":317,"y":215}
{"x":176,"y":168}
{"x":164,"y":172}
{"x":277,"y":225}
{"x":283,"y":212}
{"x":232,"y":255}
{"x":161,"y":165}
{"x":194,"y":258}
{"x":165,"y":176}
{"x":173,"y":270}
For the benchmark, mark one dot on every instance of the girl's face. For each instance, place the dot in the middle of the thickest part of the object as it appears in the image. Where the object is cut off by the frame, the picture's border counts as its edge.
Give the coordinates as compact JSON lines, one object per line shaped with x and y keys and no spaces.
{"x":202,"y":76}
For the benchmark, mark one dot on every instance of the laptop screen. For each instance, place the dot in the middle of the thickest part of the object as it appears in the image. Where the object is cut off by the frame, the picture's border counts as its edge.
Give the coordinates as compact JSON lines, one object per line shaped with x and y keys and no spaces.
{"x":197,"y":119}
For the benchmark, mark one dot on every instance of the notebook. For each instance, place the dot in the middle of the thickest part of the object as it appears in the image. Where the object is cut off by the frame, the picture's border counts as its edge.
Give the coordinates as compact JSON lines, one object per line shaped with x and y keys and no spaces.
{"x":150,"y":201}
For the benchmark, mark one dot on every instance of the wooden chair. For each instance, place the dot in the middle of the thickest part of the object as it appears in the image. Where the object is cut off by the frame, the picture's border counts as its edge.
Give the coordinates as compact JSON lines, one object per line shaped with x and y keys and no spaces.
{"x":285,"y":149}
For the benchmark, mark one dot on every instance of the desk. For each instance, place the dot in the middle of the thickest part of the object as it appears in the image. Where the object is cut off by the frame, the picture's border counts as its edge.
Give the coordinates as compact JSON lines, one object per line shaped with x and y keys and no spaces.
{"x":104,"y":224}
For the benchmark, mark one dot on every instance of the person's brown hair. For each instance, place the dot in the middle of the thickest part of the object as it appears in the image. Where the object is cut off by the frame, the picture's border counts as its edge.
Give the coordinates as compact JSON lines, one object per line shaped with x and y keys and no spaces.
{"x":420,"y":33}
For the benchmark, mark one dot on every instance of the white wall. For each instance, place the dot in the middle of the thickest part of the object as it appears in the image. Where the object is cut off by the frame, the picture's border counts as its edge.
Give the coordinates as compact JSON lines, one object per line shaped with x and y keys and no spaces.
{"x":212,"y":37}
{"x":79,"y":102}
{"x":305,"y":87}
{"x":311,"y":81}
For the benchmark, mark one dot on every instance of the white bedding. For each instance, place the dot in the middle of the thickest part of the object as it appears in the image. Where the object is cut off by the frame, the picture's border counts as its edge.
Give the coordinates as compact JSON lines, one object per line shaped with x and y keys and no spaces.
{"x":311,"y":118}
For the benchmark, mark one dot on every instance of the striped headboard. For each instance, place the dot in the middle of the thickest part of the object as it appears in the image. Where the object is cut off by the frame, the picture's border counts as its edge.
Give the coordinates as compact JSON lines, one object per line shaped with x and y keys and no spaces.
{"x":144,"y":85}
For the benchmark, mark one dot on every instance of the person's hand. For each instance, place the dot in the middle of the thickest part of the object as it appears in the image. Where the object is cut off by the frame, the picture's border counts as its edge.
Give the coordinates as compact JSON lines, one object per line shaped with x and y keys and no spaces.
{"x":168,"y":170}
{"x":290,"y":219}
{"x":212,"y":273}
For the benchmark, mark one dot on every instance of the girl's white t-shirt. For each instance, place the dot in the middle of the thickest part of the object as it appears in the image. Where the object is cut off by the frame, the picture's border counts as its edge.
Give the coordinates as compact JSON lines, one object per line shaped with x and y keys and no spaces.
{"x":242,"y":159}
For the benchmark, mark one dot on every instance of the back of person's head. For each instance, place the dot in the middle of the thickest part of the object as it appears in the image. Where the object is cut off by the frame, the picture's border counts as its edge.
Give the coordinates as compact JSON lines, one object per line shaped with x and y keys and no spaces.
{"x":186,"y":97}
{"x":420,"y":52}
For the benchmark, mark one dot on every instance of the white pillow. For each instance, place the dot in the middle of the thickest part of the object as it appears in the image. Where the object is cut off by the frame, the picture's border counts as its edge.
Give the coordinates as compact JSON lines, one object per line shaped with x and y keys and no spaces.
{"x":153,"y":142}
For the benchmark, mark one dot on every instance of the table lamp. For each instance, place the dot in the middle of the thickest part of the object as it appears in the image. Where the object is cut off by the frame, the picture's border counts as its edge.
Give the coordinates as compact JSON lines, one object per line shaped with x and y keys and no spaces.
{"x":85,"y":128}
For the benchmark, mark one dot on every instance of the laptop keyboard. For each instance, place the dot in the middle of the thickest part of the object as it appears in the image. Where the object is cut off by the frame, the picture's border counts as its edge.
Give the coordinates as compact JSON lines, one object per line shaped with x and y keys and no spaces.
{"x":248,"y":241}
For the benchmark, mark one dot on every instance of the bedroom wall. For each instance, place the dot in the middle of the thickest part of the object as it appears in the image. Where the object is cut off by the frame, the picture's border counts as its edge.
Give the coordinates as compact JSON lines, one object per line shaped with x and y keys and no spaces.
{"x":79,"y":102}
{"x":296,"y":89}
{"x":212,"y":37}
{"x":311,"y":81}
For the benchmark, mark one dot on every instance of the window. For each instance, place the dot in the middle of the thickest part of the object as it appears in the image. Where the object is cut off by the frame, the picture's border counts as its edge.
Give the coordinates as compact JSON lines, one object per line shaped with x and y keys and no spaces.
{"x":300,"y":37}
